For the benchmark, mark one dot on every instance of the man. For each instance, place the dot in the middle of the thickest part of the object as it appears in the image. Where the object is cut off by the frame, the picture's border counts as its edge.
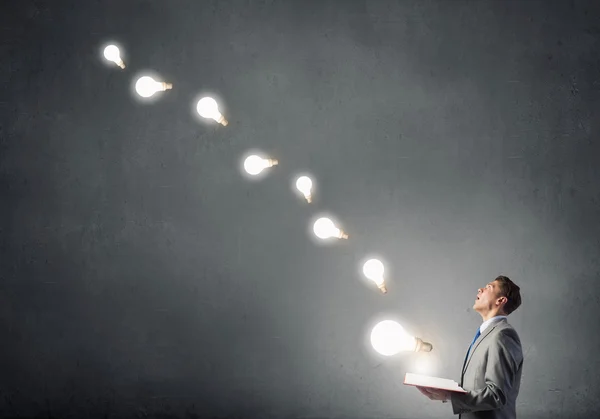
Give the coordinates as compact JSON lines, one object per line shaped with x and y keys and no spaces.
{"x":491,"y":371}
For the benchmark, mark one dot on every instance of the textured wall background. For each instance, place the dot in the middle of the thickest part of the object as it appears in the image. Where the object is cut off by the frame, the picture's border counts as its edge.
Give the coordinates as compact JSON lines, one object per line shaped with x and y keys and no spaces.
{"x":142,"y":275}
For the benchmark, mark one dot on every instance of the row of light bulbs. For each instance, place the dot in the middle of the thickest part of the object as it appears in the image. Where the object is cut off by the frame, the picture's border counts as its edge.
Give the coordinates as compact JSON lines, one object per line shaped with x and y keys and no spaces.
{"x":387,"y":337}
{"x":147,"y":87}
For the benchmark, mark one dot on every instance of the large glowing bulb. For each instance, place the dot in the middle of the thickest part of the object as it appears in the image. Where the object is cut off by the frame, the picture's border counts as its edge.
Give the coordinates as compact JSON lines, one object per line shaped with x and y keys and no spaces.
{"x":111,"y":53}
{"x":304,"y":185}
{"x":325,"y":229}
{"x":254,"y":164}
{"x":207,"y":108}
{"x":147,"y":86}
{"x":388,"y":338}
{"x":373,"y":270}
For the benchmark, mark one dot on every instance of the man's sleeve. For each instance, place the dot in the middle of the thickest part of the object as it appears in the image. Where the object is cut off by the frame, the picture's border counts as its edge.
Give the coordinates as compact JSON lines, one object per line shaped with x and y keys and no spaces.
{"x":504,"y":359}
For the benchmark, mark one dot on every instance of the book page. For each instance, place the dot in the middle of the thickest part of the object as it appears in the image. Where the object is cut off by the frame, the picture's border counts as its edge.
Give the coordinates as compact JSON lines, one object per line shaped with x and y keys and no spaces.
{"x":432,"y":382}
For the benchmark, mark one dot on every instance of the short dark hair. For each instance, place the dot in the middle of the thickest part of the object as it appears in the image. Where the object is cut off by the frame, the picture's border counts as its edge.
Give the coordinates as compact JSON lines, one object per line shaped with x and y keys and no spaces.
{"x":511,"y":291}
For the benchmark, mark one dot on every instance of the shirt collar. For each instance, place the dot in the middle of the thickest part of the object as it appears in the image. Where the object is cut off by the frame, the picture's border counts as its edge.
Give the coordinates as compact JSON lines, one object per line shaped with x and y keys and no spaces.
{"x":488,"y":322}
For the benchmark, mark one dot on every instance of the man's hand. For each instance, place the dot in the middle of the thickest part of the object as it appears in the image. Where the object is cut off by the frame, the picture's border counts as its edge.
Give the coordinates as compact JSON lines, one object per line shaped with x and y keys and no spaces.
{"x":435,"y":394}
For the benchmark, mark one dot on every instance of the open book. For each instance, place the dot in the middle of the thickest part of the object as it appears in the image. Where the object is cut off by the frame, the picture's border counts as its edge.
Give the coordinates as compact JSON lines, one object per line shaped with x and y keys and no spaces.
{"x":432,"y":382}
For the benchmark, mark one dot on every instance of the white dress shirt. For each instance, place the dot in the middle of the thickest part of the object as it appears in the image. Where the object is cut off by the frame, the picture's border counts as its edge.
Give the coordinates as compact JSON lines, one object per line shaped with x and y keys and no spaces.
{"x":488,"y":322}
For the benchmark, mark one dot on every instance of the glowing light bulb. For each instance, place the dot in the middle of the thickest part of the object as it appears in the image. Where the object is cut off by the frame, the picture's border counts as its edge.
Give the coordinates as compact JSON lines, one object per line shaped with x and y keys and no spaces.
{"x":207,"y":108}
{"x":111,"y":53}
{"x":388,"y":338}
{"x":373,"y":270}
{"x":147,"y":86}
{"x":254,"y":164}
{"x":325,"y":229}
{"x":304,"y":185}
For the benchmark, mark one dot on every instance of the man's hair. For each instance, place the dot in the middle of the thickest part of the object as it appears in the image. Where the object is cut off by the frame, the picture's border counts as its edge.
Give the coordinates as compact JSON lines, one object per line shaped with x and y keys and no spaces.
{"x":511,"y":291}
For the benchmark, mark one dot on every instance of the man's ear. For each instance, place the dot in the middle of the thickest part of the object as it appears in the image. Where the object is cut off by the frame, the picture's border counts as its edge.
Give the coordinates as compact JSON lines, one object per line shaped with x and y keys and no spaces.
{"x":502,"y":300}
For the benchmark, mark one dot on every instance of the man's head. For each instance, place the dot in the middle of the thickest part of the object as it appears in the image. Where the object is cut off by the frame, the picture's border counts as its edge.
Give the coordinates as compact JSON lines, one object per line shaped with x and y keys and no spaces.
{"x":498,"y":298}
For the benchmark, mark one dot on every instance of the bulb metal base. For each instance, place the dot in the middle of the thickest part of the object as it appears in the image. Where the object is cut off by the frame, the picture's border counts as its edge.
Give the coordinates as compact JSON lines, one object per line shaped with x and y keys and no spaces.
{"x":221,"y":120}
{"x":422,"y":346}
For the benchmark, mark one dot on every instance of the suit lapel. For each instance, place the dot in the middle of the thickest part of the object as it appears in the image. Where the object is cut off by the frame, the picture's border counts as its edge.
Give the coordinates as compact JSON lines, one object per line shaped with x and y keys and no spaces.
{"x":477,"y":342}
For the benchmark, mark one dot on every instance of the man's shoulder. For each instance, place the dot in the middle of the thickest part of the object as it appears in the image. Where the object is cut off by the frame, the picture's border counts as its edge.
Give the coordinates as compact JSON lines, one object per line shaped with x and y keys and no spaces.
{"x":505,"y":331}
{"x":503,"y":325}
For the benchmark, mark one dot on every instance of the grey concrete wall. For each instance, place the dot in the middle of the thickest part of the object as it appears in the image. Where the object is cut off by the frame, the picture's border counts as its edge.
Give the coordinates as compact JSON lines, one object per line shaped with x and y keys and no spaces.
{"x":143,"y":276}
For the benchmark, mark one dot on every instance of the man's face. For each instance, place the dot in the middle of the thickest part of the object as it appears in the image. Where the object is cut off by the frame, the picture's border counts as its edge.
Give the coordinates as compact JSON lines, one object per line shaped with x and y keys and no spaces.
{"x":486,"y":297}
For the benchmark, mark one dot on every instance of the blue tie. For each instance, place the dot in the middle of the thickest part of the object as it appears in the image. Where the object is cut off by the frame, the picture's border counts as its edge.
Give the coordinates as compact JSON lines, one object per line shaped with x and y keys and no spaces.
{"x":472,"y":343}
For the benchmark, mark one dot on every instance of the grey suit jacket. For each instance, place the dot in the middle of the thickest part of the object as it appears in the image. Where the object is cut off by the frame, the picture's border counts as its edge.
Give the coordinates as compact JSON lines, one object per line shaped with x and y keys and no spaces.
{"x":491,"y":375}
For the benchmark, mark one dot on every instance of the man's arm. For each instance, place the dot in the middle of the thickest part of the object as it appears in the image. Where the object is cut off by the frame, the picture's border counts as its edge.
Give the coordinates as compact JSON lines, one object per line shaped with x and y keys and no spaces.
{"x":504,"y":359}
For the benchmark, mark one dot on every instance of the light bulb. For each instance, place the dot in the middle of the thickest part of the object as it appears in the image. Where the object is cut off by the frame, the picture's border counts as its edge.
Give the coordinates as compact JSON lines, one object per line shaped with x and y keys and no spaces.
{"x":207,"y":108}
{"x":111,"y":53}
{"x":304,"y":185}
{"x":325,"y":229}
{"x":254,"y":164}
{"x":147,"y":86}
{"x":373,"y":270}
{"x":389,"y":337}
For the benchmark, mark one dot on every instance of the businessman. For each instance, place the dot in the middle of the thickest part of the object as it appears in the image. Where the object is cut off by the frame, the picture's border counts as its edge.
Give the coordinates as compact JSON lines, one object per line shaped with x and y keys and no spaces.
{"x":491,"y":372}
